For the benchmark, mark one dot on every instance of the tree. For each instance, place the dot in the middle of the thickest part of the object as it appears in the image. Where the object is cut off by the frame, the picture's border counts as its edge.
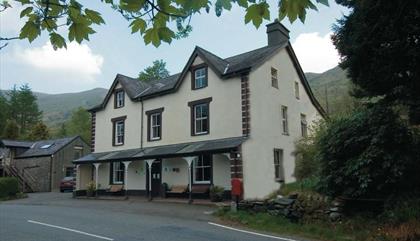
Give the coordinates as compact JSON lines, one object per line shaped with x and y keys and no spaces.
{"x":379,"y":42}
{"x":39,"y":132}
{"x":155,"y":21}
{"x":156,"y":71}
{"x":4,"y":112}
{"x":11,"y":131}
{"x":368,"y":154}
{"x":79,"y":124}
{"x":23,"y":108}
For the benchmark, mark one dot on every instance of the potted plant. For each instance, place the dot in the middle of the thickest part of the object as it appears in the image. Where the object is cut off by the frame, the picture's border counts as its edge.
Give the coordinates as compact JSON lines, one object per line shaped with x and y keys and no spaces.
{"x":216,"y":193}
{"x":90,"y":189}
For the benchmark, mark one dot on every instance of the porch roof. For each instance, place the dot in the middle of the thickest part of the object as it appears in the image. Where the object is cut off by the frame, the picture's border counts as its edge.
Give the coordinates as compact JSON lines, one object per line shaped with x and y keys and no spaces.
{"x":166,"y":151}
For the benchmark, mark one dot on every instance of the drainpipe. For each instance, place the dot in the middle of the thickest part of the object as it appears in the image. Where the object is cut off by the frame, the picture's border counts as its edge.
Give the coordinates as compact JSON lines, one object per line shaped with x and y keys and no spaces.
{"x":51,"y":172}
{"x":141,"y":129}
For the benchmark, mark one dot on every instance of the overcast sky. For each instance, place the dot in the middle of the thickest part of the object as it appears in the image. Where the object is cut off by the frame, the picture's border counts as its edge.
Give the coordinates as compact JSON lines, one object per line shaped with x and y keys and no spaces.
{"x":113,"y":49}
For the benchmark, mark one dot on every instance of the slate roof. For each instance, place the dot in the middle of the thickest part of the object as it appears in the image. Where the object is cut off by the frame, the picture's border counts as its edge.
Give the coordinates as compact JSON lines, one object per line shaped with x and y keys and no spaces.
{"x":14,"y":143}
{"x":36,"y":149}
{"x":182,"y":149}
{"x":224,"y":68}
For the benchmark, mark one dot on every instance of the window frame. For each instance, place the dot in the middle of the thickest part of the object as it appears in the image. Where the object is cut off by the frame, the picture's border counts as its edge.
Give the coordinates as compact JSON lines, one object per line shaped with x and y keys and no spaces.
{"x":274,"y":78}
{"x":196,"y":68}
{"x":303,"y":125}
{"x":69,"y":168}
{"x":278,"y":158}
{"x":202,"y":158}
{"x":297,"y":91}
{"x":115,"y":122}
{"x":117,"y":93}
{"x":121,"y":170}
{"x":150,"y":126}
{"x":193,"y":120}
{"x":284,"y":120}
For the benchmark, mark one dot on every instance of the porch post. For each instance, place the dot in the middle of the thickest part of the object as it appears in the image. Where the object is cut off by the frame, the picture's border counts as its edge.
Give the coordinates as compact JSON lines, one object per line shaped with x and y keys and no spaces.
{"x":189,"y":160}
{"x":78,"y":179}
{"x":96,"y":176}
{"x":149,"y":164}
{"x":126,"y":163}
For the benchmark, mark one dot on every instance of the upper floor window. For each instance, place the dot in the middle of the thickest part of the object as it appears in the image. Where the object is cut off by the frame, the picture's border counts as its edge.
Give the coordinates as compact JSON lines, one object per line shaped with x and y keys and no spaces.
{"x":274,"y":80}
{"x":284,"y":120}
{"x":202,"y":169}
{"x":200,"y":116}
{"x":154,"y":124}
{"x":303,"y":125}
{"x":199,"y":77}
{"x":278,"y":165}
{"x":119,"y":98}
{"x":118,"y":130}
{"x":297,"y":90}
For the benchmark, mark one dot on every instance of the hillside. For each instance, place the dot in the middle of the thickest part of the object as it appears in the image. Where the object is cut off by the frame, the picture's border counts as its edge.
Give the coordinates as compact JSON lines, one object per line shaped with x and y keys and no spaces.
{"x":57,"y":108}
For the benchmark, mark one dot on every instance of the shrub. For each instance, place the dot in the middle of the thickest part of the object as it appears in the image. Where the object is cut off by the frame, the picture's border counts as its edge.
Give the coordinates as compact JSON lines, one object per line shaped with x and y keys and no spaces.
{"x":367,"y":154}
{"x":9,"y":186}
{"x":216,"y":193}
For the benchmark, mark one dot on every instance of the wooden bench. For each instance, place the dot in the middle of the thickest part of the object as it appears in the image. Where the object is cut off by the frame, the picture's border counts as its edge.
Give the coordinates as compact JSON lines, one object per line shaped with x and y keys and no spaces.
{"x":177,"y":189}
{"x":115,"y":189}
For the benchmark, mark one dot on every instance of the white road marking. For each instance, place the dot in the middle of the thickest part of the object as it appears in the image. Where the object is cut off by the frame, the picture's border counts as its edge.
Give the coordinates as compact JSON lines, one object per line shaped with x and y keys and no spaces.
{"x":253,"y":233}
{"x":71,"y":230}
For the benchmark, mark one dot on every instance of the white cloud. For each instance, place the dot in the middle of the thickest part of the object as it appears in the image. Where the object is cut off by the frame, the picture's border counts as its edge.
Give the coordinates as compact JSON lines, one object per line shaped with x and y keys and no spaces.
{"x":76,"y":60}
{"x":316,"y":53}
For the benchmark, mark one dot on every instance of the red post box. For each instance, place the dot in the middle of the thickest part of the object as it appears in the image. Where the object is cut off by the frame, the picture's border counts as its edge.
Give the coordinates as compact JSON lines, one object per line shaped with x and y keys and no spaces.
{"x":236,"y":186}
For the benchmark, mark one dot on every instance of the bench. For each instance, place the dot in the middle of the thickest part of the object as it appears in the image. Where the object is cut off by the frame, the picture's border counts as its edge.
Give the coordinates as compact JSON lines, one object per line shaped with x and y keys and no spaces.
{"x":177,"y":189}
{"x":114,"y":189}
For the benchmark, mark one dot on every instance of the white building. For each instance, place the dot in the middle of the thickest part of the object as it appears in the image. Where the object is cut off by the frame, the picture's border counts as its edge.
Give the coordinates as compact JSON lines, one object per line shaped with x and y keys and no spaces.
{"x":216,"y":120}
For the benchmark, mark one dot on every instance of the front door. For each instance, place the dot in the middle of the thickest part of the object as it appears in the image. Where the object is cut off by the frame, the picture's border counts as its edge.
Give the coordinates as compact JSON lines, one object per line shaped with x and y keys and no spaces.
{"x":156,"y":177}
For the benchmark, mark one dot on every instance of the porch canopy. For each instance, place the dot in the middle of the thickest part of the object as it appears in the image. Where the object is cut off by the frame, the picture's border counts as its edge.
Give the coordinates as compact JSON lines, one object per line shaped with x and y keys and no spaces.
{"x":166,"y":151}
{"x":187,"y":151}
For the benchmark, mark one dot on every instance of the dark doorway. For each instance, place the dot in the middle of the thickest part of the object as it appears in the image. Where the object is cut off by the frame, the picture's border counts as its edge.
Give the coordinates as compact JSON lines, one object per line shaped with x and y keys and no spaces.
{"x":156,"y":177}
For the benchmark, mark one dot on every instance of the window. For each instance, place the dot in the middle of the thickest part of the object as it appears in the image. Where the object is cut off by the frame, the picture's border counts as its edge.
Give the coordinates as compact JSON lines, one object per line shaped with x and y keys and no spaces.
{"x":154,"y":124}
{"x":118,"y":130}
{"x":117,"y":173}
{"x":274,"y":80}
{"x":78,"y":152}
{"x":46,"y":146}
{"x":278,"y":165}
{"x":119,"y":98}
{"x":202,"y":169}
{"x":297,"y":90}
{"x":199,"y":78}
{"x":69,"y":171}
{"x":303,"y":125}
{"x":285,"y":124}
{"x":200,"y":116}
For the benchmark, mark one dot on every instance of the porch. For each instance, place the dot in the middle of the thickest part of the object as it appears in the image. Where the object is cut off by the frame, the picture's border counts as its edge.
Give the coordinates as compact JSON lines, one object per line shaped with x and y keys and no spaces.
{"x":182,"y":171}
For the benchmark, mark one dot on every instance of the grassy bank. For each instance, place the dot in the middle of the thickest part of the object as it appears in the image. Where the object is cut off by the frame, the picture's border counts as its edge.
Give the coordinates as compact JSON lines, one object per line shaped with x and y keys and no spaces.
{"x":356,"y":229}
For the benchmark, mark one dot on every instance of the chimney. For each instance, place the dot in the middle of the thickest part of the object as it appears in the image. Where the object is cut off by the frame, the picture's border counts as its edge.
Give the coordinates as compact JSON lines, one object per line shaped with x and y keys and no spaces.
{"x":277,"y":33}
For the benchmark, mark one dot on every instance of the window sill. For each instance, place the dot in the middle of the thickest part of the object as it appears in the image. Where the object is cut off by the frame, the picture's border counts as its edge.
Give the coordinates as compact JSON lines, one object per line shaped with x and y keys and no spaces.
{"x":118,"y":144}
{"x":279,"y":180}
{"x":200,"y":134}
{"x":194,"y":88}
{"x":285,"y":134}
{"x":157,"y":139}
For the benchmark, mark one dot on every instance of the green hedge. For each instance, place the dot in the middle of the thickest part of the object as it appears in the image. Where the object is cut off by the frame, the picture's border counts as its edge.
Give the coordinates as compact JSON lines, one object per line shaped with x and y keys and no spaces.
{"x":8,"y":186}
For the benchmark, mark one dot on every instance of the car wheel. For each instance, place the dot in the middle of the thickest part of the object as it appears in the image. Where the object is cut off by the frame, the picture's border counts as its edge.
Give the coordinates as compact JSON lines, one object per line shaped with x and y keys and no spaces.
{"x":61,"y":190}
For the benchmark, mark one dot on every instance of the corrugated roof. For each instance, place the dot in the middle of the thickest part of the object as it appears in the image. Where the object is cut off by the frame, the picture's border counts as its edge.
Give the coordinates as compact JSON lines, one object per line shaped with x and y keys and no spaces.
{"x":182,"y":149}
{"x":46,"y":147}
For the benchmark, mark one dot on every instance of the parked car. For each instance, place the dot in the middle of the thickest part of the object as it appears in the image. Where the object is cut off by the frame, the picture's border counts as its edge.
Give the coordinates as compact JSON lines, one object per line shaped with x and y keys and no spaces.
{"x":67,"y":184}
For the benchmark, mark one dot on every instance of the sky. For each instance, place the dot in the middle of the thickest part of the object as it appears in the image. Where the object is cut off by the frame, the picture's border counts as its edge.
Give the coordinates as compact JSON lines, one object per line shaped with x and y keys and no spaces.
{"x":113,"y":49}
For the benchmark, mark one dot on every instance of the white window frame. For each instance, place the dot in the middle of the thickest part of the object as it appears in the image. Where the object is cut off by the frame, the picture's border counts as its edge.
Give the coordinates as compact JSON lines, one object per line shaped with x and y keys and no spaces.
{"x":303,"y":125}
{"x":118,"y":173}
{"x":284,"y":120}
{"x":202,"y":167}
{"x":155,"y":126}
{"x":297,"y":93}
{"x":120,"y":99}
{"x":119,"y":132}
{"x":278,"y":164}
{"x":274,"y":78}
{"x":201,"y":119}
{"x":200,"y":78}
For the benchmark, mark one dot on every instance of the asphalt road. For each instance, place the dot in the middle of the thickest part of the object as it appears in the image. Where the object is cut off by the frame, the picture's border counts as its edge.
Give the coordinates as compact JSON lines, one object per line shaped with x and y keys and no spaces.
{"x":58,"y":217}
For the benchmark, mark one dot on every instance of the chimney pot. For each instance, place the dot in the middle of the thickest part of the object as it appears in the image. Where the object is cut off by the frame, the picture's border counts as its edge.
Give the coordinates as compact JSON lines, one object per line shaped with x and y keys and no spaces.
{"x":277,"y":33}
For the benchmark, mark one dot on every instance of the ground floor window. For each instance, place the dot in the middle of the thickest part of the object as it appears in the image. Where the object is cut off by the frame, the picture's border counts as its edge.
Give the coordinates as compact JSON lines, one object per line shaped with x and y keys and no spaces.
{"x":202,"y":169}
{"x":69,"y":172}
{"x":117,"y":173}
{"x":278,"y":165}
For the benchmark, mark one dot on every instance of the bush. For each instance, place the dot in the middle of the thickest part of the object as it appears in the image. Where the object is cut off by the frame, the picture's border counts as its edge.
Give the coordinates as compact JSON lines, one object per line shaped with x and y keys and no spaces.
{"x":368,"y":154}
{"x":216,"y":193}
{"x":9,"y":186}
